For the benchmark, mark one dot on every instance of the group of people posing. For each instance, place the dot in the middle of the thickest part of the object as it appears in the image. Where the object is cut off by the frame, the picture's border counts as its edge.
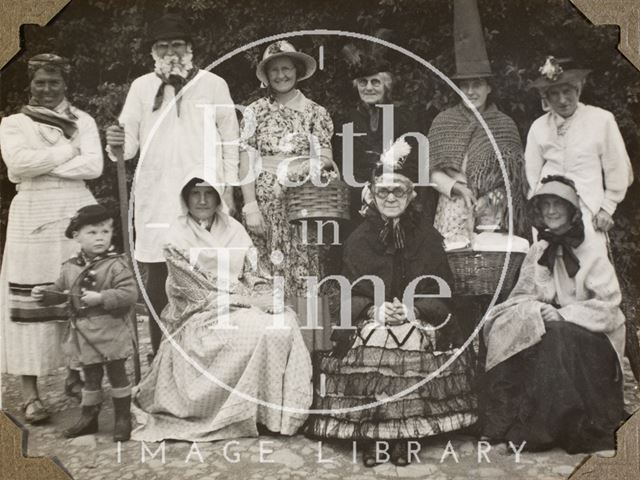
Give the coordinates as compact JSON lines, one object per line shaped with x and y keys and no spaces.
{"x":552,"y":373}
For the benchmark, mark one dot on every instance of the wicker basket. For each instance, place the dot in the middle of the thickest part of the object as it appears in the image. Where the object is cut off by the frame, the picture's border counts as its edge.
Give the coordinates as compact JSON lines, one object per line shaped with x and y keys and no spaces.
{"x":478,"y":273}
{"x":310,"y":202}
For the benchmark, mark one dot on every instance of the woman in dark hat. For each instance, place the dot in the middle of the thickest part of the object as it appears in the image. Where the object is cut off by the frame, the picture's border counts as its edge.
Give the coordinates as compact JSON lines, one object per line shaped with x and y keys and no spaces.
{"x":555,"y":347}
{"x":50,"y":149}
{"x":579,"y":141}
{"x":285,"y":128}
{"x":375,"y":388}
{"x":372,"y":78}
{"x":463,"y":161}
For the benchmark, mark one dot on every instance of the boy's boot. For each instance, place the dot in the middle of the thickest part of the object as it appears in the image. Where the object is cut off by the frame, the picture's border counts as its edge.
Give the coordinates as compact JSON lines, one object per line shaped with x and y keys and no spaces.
{"x":122,"y":409}
{"x":88,"y":422}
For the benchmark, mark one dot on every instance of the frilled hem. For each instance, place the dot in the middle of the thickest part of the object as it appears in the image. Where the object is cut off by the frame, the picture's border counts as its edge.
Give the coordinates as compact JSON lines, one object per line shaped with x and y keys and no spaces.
{"x":361,"y":386}
{"x":396,"y":361}
{"x":400,"y":409}
{"x":413,"y":427}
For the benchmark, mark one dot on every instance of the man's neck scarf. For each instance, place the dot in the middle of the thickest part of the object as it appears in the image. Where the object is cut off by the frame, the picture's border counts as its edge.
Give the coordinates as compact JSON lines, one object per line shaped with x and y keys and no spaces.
{"x":60,"y":117}
{"x":567,"y":241}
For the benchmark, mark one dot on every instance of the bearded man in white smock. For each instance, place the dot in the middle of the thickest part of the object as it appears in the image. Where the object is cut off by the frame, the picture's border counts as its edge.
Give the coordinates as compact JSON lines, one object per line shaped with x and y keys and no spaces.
{"x":169,"y":115}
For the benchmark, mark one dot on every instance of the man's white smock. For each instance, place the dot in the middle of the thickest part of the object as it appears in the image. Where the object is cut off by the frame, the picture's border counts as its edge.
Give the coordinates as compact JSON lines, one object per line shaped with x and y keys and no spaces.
{"x":171,"y":146}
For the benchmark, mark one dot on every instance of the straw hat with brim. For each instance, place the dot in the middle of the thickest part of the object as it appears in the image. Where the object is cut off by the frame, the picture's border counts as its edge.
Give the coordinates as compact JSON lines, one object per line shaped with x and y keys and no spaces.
{"x":566,"y":77}
{"x":283,"y":48}
{"x":552,"y":187}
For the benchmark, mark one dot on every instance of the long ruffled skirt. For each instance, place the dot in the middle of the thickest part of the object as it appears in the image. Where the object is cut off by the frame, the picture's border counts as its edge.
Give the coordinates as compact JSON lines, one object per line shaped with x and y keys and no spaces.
{"x":392,"y":384}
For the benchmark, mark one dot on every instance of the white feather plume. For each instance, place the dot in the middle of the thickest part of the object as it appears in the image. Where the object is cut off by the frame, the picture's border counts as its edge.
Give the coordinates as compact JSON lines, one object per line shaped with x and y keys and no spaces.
{"x":396,"y":154}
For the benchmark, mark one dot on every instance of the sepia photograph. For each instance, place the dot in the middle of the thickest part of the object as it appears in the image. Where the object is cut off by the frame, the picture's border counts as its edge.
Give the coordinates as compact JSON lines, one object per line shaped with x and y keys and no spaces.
{"x":318,"y":240}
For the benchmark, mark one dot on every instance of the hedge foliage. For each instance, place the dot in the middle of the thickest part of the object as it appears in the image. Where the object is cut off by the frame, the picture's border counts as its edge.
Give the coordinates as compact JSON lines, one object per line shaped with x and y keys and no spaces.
{"x":107,"y":44}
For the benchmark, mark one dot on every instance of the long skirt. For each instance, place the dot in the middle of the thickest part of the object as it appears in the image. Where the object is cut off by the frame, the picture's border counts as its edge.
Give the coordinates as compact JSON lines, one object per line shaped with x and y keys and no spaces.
{"x":35,"y":249}
{"x":257,"y":375}
{"x":565,"y":391}
{"x":381,"y":388}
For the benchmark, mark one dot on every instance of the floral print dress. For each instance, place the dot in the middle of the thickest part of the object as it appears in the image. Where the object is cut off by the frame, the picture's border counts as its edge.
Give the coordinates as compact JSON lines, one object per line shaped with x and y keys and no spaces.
{"x":285,"y":130}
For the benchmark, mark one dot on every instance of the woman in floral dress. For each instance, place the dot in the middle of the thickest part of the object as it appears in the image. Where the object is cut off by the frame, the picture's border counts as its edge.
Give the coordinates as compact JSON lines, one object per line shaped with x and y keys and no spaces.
{"x":284,"y":130}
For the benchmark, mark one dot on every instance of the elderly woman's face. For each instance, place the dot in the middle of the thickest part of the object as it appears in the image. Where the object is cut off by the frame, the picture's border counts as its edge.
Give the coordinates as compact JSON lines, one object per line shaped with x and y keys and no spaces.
{"x":48,"y":88}
{"x":202,"y":202}
{"x":563,"y":99}
{"x":476,"y":90}
{"x":282,"y":75}
{"x":556,"y":212}
{"x":371,"y":89}
{"x":393,"y":198}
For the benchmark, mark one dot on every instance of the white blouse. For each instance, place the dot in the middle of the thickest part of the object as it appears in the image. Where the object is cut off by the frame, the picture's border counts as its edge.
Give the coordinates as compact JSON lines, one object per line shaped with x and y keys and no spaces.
{"x":591,"y":152}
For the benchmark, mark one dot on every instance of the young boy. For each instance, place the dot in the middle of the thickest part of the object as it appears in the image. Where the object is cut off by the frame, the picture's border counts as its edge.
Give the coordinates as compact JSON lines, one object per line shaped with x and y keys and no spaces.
{"x":99,"y":288}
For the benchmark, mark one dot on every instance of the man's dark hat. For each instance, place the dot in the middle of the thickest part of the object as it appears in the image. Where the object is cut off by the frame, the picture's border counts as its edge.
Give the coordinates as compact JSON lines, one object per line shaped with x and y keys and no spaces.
{"x":88,"y":215}
{"x":168,"y":27}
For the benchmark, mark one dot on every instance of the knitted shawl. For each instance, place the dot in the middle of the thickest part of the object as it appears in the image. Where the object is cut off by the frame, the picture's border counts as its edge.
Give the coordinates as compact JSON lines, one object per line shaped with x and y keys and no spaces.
{"x":456,"y":132}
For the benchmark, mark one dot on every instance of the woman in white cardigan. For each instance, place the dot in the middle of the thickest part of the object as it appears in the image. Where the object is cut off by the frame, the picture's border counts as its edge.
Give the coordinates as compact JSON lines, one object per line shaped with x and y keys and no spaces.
{"x":50,"y":149}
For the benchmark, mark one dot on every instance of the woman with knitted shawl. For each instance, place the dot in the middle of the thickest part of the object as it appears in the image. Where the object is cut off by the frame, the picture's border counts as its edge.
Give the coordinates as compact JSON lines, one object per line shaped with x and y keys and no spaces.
{"x":464,"y":164}
{"x":466,"y":169}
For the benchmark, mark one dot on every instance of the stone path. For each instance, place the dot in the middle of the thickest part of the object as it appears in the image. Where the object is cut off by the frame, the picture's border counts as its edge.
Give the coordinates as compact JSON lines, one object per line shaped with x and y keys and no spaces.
{"x":96,"y":457}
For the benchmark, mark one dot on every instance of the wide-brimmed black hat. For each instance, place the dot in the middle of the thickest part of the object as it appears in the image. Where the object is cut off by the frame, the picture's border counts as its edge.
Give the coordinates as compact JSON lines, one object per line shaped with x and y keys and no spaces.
{"x":168,"y":27}
{"x":88,"y":215}
{"x":366,"y":58}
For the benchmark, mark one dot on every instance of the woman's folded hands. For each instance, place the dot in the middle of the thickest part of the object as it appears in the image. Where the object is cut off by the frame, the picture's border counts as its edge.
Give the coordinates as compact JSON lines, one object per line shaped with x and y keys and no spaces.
{"x":391,"y":313}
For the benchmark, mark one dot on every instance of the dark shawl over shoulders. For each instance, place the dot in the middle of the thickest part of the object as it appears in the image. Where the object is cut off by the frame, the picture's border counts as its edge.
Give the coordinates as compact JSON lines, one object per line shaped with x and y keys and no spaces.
{"x":423,"y":255}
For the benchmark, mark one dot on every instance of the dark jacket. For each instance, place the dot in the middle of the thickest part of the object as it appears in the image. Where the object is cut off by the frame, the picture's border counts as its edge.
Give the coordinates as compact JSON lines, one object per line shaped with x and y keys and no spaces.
{"x":423,"y":254}
{"x":367,"y":148}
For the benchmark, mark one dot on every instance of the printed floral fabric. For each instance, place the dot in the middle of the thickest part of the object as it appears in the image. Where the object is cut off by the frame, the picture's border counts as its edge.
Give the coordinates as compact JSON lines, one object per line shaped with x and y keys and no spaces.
{"x":281,"y":130}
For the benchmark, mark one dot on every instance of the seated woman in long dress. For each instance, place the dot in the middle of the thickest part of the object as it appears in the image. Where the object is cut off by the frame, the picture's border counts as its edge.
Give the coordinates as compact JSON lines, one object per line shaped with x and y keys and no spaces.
{"x":395,"y":347}
{"x":222,"y":370}
{"x":555,"y":347}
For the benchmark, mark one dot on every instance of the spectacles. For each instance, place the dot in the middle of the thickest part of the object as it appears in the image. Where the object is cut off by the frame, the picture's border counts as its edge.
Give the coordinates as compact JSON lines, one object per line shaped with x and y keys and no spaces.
{"x":363,"y":82}
{"x":383,"y":193}
{"x":175,"y":45}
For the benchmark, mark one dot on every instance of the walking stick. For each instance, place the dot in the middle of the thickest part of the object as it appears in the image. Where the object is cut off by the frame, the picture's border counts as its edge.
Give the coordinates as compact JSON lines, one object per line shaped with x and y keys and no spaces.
{"x":124,"y":222}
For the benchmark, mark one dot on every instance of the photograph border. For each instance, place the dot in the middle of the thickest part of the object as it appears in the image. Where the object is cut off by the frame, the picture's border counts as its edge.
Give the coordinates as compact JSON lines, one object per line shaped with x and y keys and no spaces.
{"x":13,"y":437}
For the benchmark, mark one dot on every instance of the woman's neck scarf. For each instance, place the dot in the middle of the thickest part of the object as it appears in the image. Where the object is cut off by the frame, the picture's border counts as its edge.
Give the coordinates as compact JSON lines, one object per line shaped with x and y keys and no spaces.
{"x":456,"y":132}
{"x":60,"y":117}
{"x":569,"y":240}
{"x":173,"y":71}
{"x":392,"y":234}
{"x":392,"y":231}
